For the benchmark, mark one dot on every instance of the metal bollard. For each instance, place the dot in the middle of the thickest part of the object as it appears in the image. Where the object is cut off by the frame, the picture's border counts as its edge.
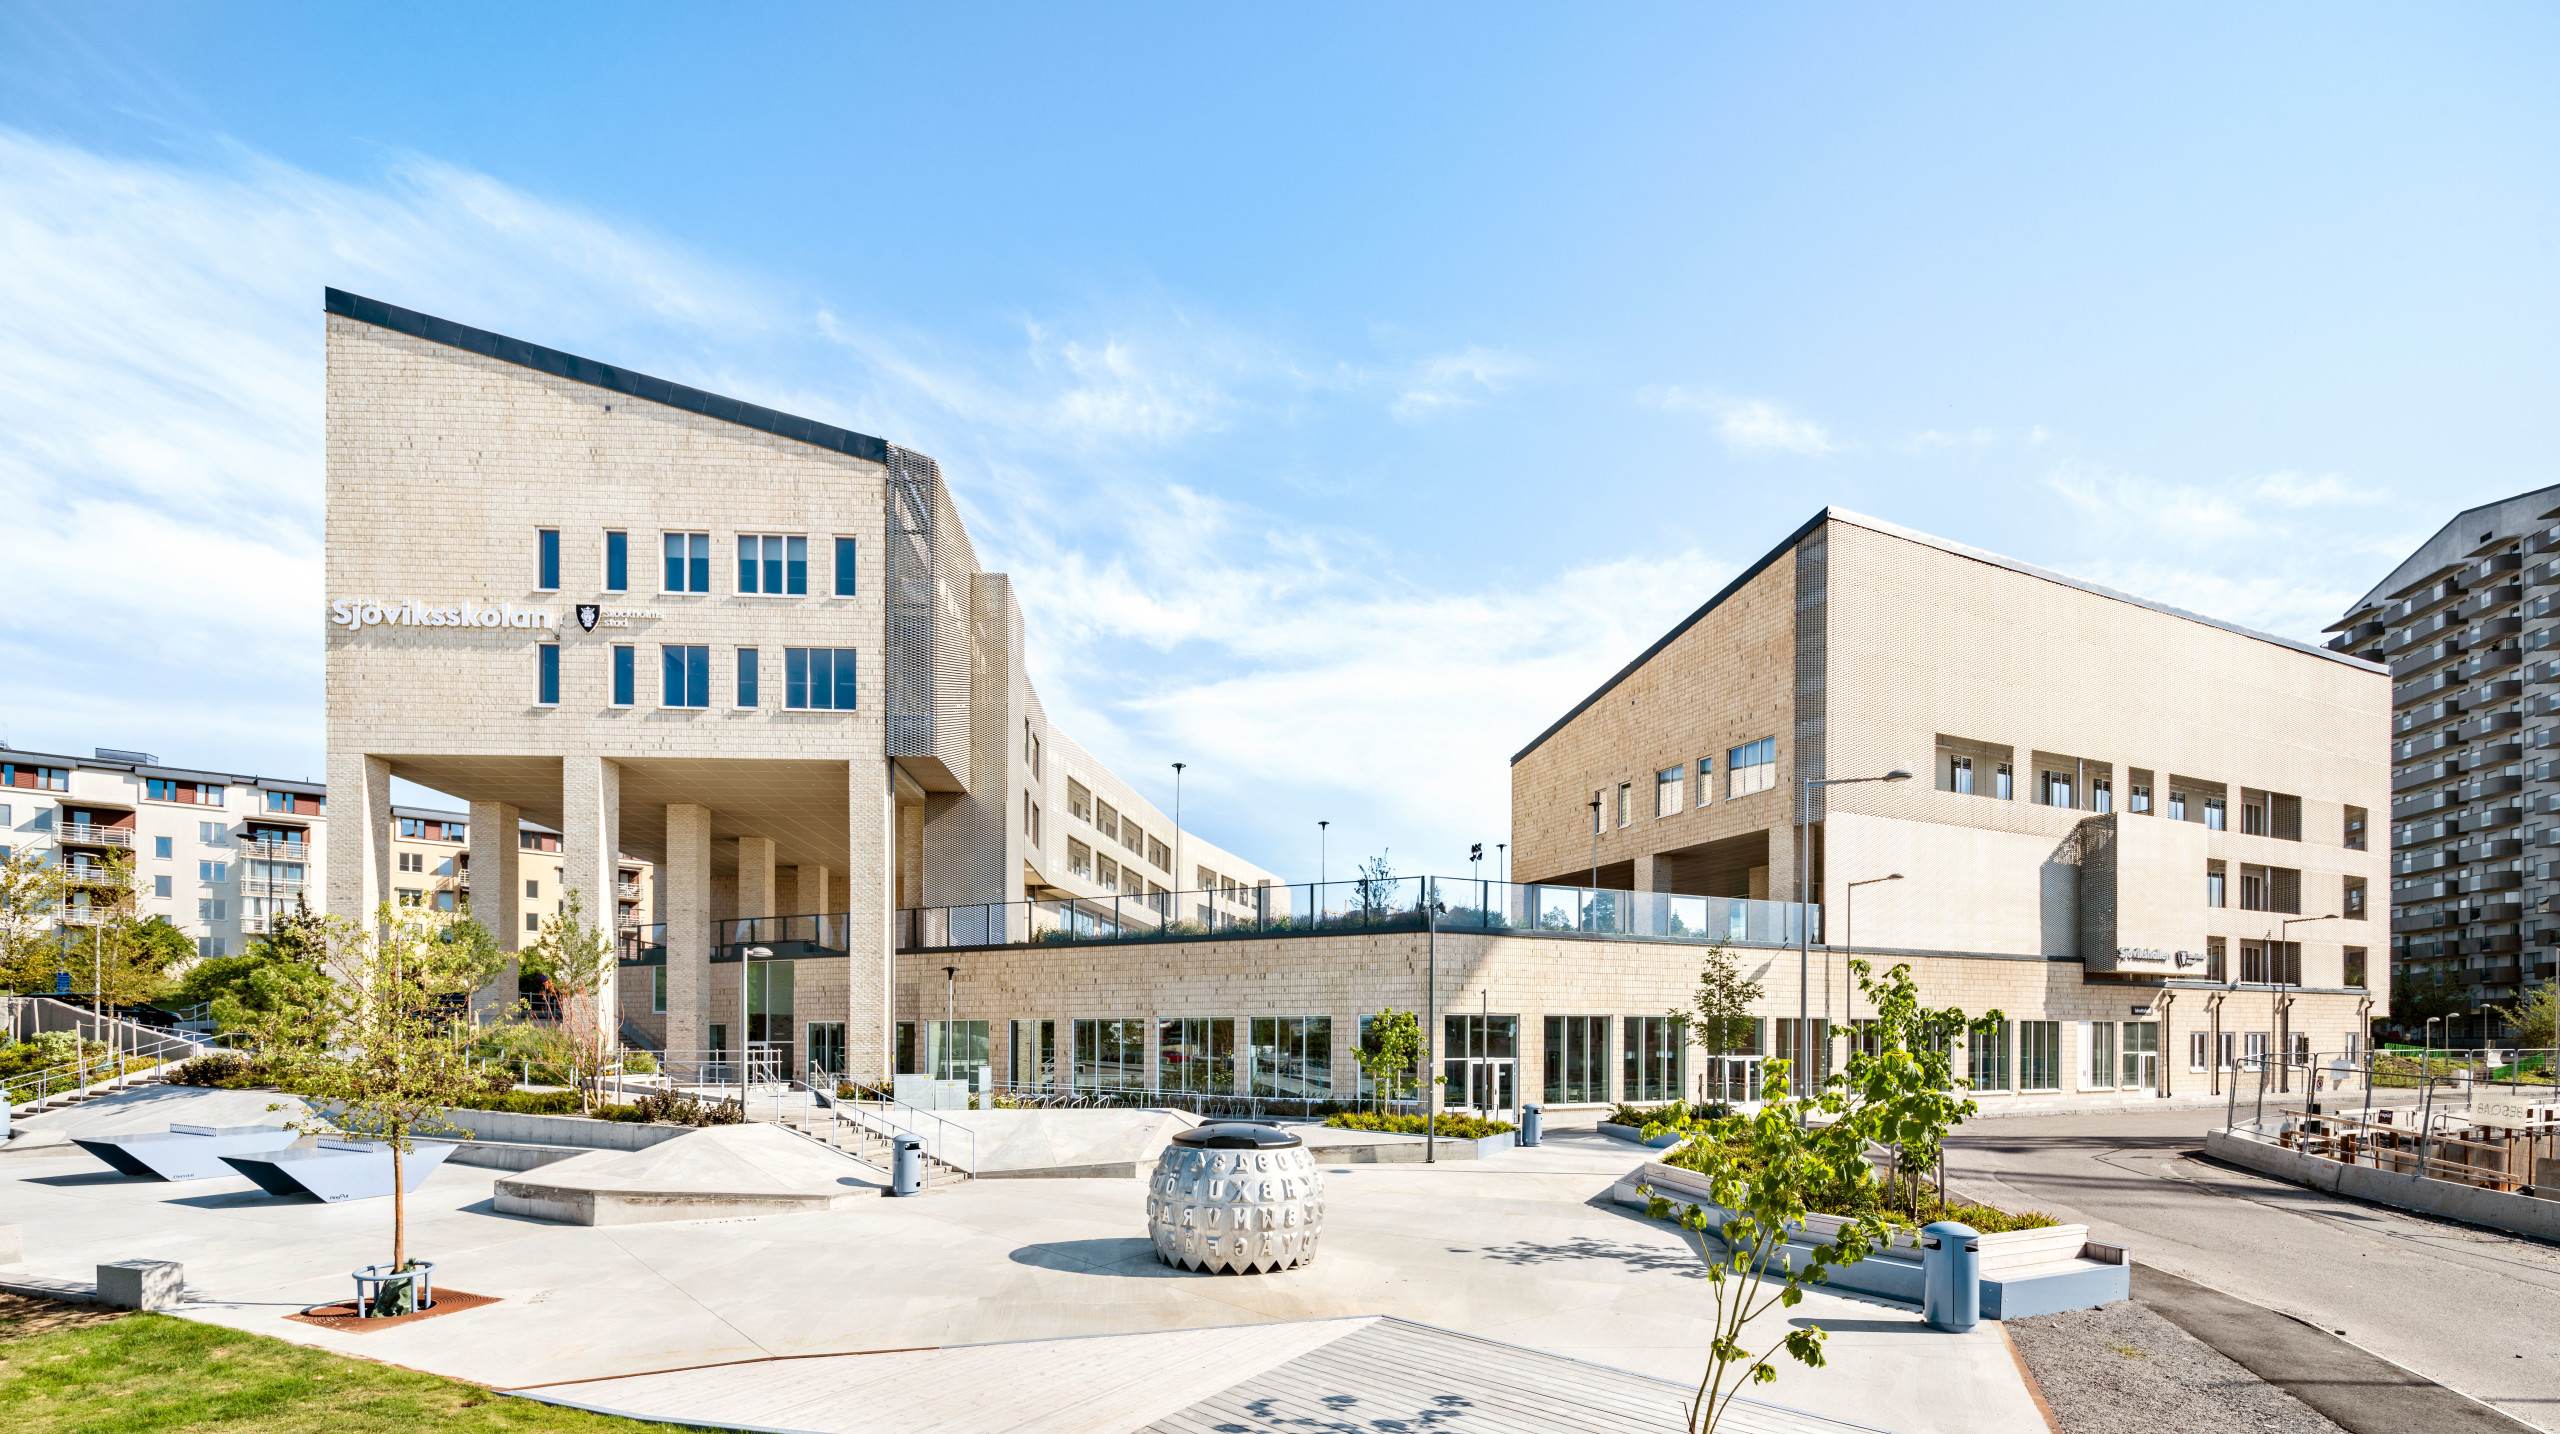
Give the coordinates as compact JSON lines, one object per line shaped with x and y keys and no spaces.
{"x":1951,"y":1276}
{"x":906,"y":1164}
{"x":1532,"y":1120}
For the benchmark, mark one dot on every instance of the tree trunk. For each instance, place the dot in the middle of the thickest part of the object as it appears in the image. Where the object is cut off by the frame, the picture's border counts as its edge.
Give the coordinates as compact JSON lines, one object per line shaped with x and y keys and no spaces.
{"x":399,"y":1212}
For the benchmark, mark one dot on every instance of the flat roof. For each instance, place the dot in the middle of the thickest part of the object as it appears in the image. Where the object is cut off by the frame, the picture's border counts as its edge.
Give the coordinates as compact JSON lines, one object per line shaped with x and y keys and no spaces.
{"x":163,"y":769}
{"x":1945,"y":545}
{"x":595,"y":374}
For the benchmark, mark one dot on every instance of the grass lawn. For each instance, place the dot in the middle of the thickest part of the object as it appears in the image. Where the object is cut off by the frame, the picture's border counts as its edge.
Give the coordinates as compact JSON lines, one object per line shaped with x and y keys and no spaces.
{"x":76,"y":1367}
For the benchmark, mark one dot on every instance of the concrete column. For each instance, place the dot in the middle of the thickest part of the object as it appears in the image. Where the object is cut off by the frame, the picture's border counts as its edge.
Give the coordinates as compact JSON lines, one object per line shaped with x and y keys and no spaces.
{"x":590,"y":856}
{"x":756,"y":884}
{"x":1244,"y":1054}
{"x":497,"y":898}
{"x":359,"y":836}
{"x":809,"y":889}
{"x":687,"y":886}
{"x":1650,"y":870}
{"x":871,"y":946}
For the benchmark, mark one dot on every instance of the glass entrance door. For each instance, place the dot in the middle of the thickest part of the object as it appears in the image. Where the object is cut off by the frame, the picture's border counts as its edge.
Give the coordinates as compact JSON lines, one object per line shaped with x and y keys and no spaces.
{"x":1488,"y":1088}
{"x":769,"y":1030}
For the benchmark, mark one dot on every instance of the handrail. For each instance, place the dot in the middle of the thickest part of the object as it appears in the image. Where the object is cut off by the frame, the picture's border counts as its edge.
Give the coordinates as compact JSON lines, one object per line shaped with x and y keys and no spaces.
{"x":92,"y":834}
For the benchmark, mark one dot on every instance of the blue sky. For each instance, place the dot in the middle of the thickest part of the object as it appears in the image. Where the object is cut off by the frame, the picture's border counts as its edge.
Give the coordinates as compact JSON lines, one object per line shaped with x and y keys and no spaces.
{"x":1349,"y":390}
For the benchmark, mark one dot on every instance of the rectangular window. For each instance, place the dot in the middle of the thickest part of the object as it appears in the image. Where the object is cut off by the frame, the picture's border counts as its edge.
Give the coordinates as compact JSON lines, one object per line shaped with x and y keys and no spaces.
{"x":160,"y":887}
{"x":1706,"y":780}
{"x":1666,"y":791}
{"x":2102,"y":794}
{"x":1079,"y":858}
{"x":1290,"y":1057}
{"x":773,"y":566}
{"x":2097,"y":1055}
{"x":1786,"y":1049}
{"x":2352,"y":968}
{"x":1652,"y":1049}
{"x":547,"y":559}
{"x":1399,"y":1087}
{"x":2055,"y":790}
{"x":2177,"y":805}
{"x":846,"y":570}
{"x":688,"y":563}
{"x":1577,"y":1060}
{"x":746,"y":677}
{"x":213,"y":873}
{"x":2139,"y":798}
{"x":1960,"y":774}
{"x":617,"y":562}
{"x":1626,"y":803}
{"x":626,"y":674}
{"x":213,"y":833}
{"x":685,"y":672}
{"x":1111,"y":1054}
{"x":1032,"y":1056}
{"x":954,"y":1050}
{"x":161,"y":847}
{"x":818,"y":679}
{"x":533,"y":891}
{"x":2199,"y":1047}
{"x":546,"y":675}
{"x":1751,"y":767}
{"x":657,"y":990}
{"x":2141,"y":1048}
{"x":2001,"y":781}
{"x":2213,"y":883}
{"x":2213,"y":814}
{"x":1987,"y":1056}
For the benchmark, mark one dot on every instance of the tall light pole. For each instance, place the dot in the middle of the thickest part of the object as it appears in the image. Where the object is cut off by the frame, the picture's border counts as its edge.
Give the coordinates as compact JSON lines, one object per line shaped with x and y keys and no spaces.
{"x":1804,"y":921}
{"x":1502,"y":862}
{"x":950,"y":978}
{"x":1848,"y":926}
{"x":2284,"y":1000}
{"x":1177,"y":840}
{"x":1320,"y":874}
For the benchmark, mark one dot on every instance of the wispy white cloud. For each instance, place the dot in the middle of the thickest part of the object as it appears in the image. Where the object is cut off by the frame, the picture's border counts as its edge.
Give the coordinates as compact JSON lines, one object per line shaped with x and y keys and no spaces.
{"x":1461,"y":379}
{"x":1748,"y":426}
{"x":2190,"y":512}
{"x":1975,"y":440}
{"x":2289,"y":489}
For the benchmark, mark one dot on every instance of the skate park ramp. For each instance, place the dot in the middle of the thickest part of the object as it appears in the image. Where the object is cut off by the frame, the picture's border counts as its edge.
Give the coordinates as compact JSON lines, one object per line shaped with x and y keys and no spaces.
{"x":147,"y":1109}
{"x":723,"y":1173}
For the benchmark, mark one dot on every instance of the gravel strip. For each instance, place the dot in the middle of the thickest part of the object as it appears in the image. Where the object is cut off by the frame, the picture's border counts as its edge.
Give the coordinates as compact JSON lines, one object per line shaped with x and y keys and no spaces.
{"x":2121,"y":1369}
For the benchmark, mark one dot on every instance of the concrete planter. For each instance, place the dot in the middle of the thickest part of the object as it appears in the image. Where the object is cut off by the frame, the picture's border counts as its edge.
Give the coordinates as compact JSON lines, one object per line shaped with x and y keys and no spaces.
{"x":1411,"y":1149}
{"x":1634,"y":1135}
{"x":2024,"y":1272}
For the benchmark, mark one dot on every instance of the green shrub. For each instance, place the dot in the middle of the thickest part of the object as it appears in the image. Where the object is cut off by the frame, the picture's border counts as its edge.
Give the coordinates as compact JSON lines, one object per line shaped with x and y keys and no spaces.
{"x":639,"y":1063}
{"x":674,"y":1107}
{"x":1858,"y":1192}
{"x":1451,"y":1124}
{"x":222,"y":1070}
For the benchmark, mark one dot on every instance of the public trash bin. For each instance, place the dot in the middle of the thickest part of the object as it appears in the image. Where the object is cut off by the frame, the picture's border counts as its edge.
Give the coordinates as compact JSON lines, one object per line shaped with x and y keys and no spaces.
{"x":1530,"y":1121}
{"x":1951,"y":1275}
{"x":906,"y":1164}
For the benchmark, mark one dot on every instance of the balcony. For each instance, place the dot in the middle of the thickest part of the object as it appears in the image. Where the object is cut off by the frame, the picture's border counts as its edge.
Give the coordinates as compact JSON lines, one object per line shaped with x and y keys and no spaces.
{"x":275,"y":849}
{"x":2496,"y":659}
{"x":2492,"y":881}
{"x":2420,"y":803}
{"x":2424,"y":630}
{"x":2441,"y":590}
{"x":83,"y":916}
{"x":2415,"y":718}
{"x":2490,"y":599}
{"x":627,"y":890}
{"x":88,"y":874}
{"x":2424,"y":775}
{"x":2505,"y":814}
{"x":2495,"y":754}
{"x":2418,"y":863}
{"x":2356,"y":635}
{"x":91,"y":834}
{"x":2414,"y":748}
{"x":2419,"y":659}
{"x":2543,"y":573}
{"x":2491,"y":693}
{"x":2418,"y":689}
{"x":2481,"y":726}
{"x":2494,"y":849}
{"x":2483,"y":788}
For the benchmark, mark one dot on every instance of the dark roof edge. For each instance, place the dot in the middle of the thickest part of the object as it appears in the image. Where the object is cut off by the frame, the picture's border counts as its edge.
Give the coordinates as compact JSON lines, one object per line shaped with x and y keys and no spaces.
{"x":1894,"y":530}
{"x":1686,"y":623}
{"x":601,"y":375}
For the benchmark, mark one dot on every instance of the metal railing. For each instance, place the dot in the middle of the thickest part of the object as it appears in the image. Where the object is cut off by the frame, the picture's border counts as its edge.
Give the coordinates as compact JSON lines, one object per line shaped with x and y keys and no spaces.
{"x":132,"y":1056}
{"x":1204,"y":1104}
{"x":2483,"y":1117}
{"x":869,"y":1119}
{"x":275,"y":849}
{"x":92,"y":834}
{"x":1452,"y":904}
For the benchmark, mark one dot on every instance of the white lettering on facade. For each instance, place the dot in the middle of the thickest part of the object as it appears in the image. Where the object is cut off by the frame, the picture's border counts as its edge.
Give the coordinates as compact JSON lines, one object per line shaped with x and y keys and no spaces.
{"x":356,"y":616}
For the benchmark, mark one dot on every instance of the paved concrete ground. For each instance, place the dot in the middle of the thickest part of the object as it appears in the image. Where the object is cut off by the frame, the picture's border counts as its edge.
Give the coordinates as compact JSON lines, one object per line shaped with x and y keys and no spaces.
{"x":2124,"y":1369}
{"x":1522,"y":1247}
{"x":2471,"y":1310}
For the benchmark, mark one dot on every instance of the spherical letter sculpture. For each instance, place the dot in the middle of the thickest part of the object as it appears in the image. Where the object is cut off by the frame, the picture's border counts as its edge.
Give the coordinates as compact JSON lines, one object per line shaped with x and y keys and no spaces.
{"x":1235,"y":1198}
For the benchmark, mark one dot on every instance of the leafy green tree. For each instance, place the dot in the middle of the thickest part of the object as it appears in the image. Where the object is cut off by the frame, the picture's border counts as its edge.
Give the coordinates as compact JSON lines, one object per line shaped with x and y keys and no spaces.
{"x":31,"y":891}
{"x":381,"y":1048}
{"x":2416,"y":995}
{"x":1390,"y":1052}
{"x":278,"y":970}
{"x":1374,"y":886}
{"x":1719,"y":1016}
{"x":1900,"y":1083}
{"x":1764,"y":1173}
{"x":2533,"y":1016}
{"x":576,"y":958}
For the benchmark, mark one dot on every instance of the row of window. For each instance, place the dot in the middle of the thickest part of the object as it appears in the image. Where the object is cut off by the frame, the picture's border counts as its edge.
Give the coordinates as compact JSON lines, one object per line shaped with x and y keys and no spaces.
{"x":769,"y":564}
{"x":814,"y":679}
{"x":158,"y":789}
{"x":1751,"y":767}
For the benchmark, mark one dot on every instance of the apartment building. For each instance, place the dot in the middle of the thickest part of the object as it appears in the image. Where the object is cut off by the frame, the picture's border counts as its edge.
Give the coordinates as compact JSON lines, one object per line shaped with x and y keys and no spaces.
{"x":431,"y":861}
{"x":2113,"y":808}
{"x":2465,"y":624}
{"x":754,"y":651}
{"x":219,"y":855}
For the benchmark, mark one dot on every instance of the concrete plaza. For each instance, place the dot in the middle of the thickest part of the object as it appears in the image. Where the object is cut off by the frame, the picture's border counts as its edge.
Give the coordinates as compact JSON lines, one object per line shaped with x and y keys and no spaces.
{"x":1521,"y":1247}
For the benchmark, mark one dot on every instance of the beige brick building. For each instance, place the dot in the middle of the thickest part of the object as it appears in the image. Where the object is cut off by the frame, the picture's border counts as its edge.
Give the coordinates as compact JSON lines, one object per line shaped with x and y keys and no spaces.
{"x":741,"y":659}
{"x":2119,"y":813}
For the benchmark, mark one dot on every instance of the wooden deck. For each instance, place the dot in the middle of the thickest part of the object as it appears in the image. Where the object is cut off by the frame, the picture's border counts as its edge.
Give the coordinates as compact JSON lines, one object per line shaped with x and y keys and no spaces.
{"x":1345,"y":1374}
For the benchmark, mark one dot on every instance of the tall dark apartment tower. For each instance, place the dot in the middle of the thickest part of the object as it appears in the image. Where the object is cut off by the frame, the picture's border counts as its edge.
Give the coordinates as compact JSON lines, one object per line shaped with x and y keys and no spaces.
{"x":2466,"y":624}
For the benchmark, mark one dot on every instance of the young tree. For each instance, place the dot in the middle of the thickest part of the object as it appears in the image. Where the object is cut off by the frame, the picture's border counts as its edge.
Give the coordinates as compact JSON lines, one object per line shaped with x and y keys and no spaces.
{"x":31,"y":891}
{"x":1390,"y":1051}
{"x":1765,"y":1173}
{"x":1719,"y":1015}
{"x":2532,"y":1017}
{"x":382,"y":1047}
{"x":574,"y":958}
{"x":1375,"y":886}
{"x":1900,"y":1083}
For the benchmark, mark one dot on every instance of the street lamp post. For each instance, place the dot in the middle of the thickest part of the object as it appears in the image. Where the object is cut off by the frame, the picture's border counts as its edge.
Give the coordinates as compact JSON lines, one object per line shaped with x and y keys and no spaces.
{"x":1804,"y":923}
{"x":1848,"y":930}
{"x":1176,"y":873}
{"x":2284,"y":999}
{"x":1591,"y":898}
{"x":1320,"y":875}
